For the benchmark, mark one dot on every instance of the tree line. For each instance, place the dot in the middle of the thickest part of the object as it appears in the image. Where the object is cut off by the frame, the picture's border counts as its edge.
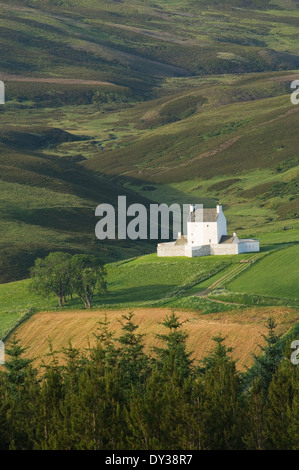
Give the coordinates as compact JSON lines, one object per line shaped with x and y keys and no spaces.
{"x":115,"y":396}
{"x":64,"y":275}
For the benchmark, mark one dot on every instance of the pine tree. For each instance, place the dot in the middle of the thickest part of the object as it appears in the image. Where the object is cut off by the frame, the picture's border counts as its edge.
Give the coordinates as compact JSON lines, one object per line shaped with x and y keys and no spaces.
{"x":17,"y":366}
{"x":162,"y":417}
{"x":265,"y":365}
{"x":22,"y":389}
{"x":221,"y":413}
{"x":255,"y":410}
{"x":293,"y":415}
{"x":50,"y":397}
{"x":174,"y":354}
{"x":104,"y":351}
{"x":133,"y":362}
{"x":279,"y":432}
{"x":4,"y":406}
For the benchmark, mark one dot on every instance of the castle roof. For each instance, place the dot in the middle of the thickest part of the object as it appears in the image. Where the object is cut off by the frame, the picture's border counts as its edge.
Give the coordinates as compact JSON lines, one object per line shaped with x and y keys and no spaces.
{"x":227,"y":239}
{"x":181,"y":241}
{"x":204,"y":215}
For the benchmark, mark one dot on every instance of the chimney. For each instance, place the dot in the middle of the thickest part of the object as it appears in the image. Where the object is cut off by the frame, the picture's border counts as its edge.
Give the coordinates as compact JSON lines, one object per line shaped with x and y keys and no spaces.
{"x":219,"y":208}
{"x":179,"y":235}
{"x":234,"y":234}
{"x":192,"y":208}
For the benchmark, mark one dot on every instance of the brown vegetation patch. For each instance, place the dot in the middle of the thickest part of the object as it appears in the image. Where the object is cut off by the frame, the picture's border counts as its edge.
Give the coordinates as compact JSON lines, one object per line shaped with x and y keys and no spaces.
{"x":61,"y":81}
{"x":289,"y":210}
{"x":242,"y":328}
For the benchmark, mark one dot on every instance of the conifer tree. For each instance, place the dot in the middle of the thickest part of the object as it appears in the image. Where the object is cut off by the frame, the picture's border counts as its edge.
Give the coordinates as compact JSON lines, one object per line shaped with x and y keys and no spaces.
{"x":174,"y":354}
{"x":133,"y":362}
{"x":4,"y":406}
{"x":162,"y":417}
{"x":50,"y":397}
{"x":280,"y":434}
{"x":255,"y":410}
{"x":21,"y":394}
{"x":104,"y":350}
{"x":221,"y":411}
{"x":265,"y":365}
{"x":17,"y":366}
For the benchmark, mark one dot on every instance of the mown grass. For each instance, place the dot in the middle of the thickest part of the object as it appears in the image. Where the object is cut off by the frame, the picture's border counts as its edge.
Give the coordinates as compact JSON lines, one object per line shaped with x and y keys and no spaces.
{"x":189,"y":80}
{"x":144,"y":281}
{"x":149,"y":281}
{"x":276,"y":275}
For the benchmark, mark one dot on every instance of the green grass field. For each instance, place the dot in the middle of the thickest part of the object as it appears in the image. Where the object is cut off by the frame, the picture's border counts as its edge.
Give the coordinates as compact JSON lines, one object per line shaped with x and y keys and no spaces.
{"x":195,"y":108}
{"x":137,"y":282}
{"x":276,"y":275}
{"x":149,"y":281}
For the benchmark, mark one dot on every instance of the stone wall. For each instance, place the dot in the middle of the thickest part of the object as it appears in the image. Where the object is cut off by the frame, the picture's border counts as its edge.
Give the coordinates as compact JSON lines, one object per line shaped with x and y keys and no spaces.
{"x":225,"y":249}
{"x":193,"y":251}
{"x":249,"y":246}
{"x":171,"y":249}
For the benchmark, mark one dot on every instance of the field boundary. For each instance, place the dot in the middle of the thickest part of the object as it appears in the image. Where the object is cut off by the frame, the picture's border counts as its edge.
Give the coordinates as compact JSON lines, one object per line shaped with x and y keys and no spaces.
{"x":22,"y":319}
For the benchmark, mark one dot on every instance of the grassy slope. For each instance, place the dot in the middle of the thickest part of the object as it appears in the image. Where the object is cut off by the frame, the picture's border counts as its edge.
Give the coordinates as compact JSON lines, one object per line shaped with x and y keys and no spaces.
{"x":109,"y":38}
{"x":217,"y":128}
{"x":48,"y":204}
{"x":230,"y":131}
{"x":149,"y":281}
{"x":177,"y":55}
{"x":131,"y":283}
{"x":276,"y":276}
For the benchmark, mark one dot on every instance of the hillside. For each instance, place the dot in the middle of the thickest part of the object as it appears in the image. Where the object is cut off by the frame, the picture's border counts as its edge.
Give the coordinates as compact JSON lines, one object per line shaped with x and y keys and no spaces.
{"x":107,"y":98}
{"x":48,"y":203}
{"x":130,"y":41}
{"x":164,"y":102}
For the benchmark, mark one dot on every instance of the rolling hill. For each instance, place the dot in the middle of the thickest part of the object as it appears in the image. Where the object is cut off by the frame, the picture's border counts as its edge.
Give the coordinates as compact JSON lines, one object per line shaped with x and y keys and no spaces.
{"x":105,"y":98}
{"x":164,"y":102}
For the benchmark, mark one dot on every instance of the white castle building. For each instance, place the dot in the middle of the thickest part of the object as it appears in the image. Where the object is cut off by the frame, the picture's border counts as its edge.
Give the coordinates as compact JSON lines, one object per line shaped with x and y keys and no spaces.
{"x":207,"y":235}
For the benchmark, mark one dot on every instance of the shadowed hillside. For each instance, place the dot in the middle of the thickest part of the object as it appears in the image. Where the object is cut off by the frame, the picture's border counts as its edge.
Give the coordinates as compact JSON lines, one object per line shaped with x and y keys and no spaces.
{"x":191,"y":100}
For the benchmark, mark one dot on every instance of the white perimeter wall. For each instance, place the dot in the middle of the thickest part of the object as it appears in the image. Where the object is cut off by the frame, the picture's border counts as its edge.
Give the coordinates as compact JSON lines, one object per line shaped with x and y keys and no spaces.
{"x":170,"y":249}
{"x":225,"y":249}
{"x":249,"y":246}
